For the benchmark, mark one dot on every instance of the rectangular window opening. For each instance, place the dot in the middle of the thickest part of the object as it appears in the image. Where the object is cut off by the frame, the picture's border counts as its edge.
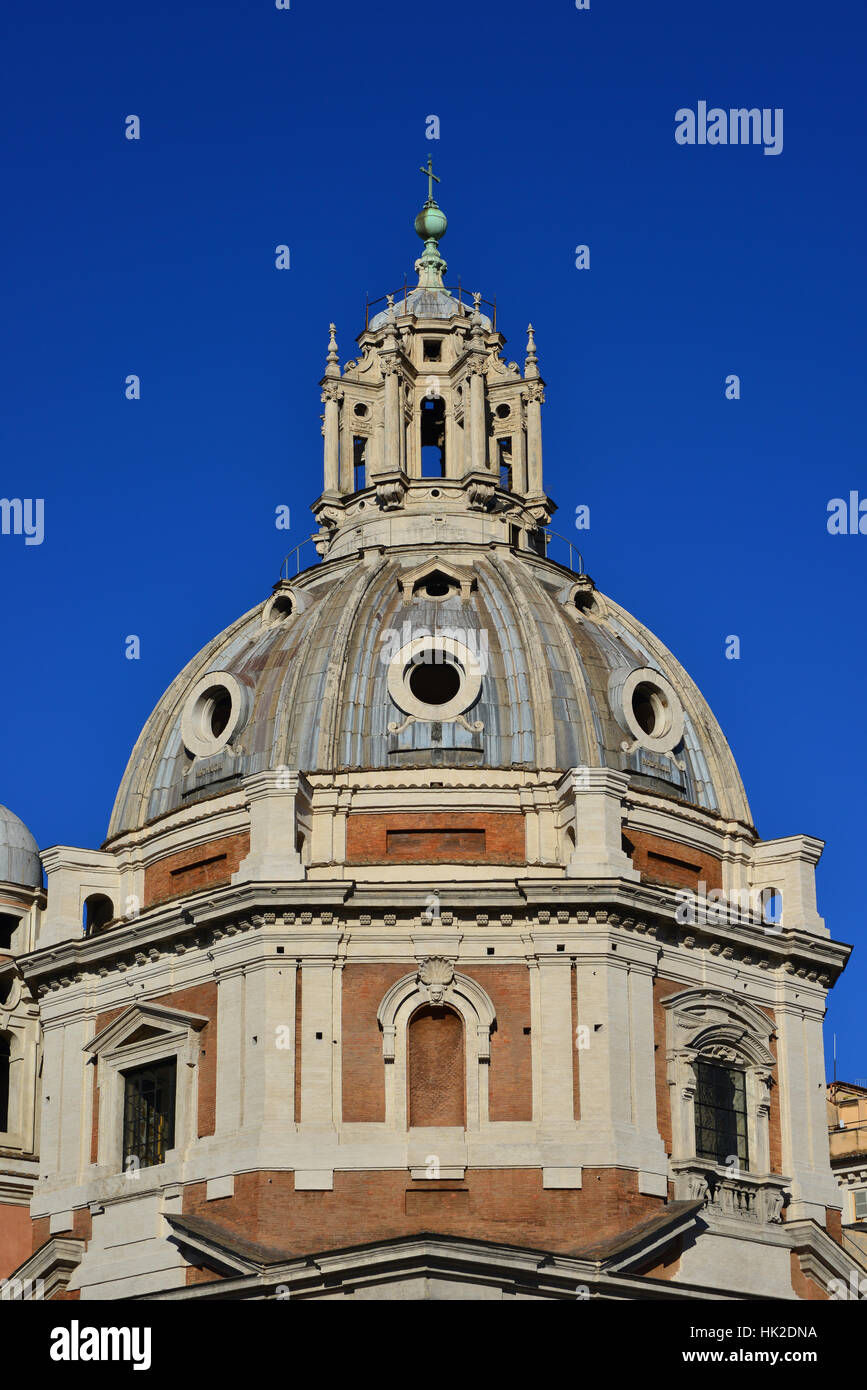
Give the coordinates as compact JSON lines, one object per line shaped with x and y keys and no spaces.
{"x":149,"y":1114}
{"x":359,"y":449}
{"x":721,"y":1115}
{"x":8,"y":925}
{"x":504,"y":450}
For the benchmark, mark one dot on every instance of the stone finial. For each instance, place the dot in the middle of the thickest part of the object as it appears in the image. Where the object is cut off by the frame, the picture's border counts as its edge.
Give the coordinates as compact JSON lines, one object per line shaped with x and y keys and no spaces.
{"x":332,"y":366}
{"x":531,"y":365}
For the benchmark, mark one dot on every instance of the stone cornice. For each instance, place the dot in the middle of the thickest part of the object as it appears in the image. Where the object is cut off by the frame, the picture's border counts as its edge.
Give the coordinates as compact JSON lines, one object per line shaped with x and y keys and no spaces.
{"x":334,"y":907}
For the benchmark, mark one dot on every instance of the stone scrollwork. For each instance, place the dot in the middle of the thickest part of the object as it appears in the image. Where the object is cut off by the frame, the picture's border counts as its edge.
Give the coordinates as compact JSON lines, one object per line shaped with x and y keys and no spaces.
{"x":390,"y":494}
{"x":481,"y":495}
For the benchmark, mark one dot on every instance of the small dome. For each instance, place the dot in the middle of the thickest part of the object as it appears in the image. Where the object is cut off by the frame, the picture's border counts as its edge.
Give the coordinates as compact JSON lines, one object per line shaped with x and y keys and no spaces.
{"x":427,"y":304}
{"x":19,"y":852}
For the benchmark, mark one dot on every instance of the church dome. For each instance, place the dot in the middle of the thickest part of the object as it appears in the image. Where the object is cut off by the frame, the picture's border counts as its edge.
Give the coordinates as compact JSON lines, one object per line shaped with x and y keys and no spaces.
{"x":19,"y":852}
{"x":467,"y":656}
{"x":436,"y":632}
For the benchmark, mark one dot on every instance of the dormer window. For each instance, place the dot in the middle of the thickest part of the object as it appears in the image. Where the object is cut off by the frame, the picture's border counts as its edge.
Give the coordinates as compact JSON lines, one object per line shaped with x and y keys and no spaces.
{"x":437,"y":579}
{"x":435,"y":585}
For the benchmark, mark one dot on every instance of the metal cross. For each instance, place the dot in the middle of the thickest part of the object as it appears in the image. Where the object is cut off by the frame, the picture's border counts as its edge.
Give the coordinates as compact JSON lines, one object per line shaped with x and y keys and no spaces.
{"x":431,"y":176}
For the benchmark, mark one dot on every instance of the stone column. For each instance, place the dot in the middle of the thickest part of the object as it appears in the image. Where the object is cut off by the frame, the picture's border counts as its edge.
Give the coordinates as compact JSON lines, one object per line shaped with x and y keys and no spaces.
{"x":535,"y":397}
{"x":556,"y":1042}
{"x":393,"y":424}
{"x":230,"y":1052}
{"x":617,"y":1086}
{"x":477,"y":419}
{"x":332,"y":439}
{"x":317,"y":1106}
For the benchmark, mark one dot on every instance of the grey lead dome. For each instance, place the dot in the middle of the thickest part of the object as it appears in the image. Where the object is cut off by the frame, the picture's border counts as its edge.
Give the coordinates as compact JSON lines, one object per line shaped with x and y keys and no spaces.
{"x":19,"y":852}
{"x":309,"y":687}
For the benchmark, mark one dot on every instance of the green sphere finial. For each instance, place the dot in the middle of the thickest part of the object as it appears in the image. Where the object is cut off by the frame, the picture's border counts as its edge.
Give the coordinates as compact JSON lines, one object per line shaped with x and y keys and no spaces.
{"x":430,"y":224}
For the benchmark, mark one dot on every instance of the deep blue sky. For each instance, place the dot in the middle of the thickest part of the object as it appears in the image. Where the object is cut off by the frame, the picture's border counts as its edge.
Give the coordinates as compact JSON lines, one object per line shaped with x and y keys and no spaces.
{"x":307,"y":127}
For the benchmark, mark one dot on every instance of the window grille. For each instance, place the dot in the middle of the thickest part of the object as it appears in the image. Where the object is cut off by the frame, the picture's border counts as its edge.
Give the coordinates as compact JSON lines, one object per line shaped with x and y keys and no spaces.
{"x":721,"y":1114}
{"x":149,"y":1114}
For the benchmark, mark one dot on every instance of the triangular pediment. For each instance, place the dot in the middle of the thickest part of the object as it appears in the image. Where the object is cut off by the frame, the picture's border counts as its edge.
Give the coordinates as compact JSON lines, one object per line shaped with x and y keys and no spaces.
{"x":460,"y":575}
{"x":143,"y":1022}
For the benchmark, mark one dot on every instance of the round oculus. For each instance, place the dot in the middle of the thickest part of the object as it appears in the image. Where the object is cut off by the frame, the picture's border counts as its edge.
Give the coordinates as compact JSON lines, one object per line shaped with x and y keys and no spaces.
{"x":646,"y":703}
{"x":213,"y":713}
{"x":434,"y":678}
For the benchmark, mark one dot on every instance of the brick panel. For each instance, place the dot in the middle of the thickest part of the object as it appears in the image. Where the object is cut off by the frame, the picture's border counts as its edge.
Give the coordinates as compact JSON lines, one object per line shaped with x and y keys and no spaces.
{"x":16,"y":1237}
{"x":511,"y":1077}
{"x":435,"y":837}
{"x":188,"y":871}
{"x":436,"y":1081}
{"x":667,"y":862}
{"x":803,"y":1286}
{"x":510,"y":1088}
{"x":363,"y":1068}
{"x":661,"y":990}
{"x":775,"y":1127}
{"x":506,"y":1205}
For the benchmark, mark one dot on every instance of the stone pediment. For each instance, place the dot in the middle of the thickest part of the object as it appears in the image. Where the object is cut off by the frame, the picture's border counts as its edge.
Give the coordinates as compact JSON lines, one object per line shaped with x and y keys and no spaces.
{"x":144,"y":1022}
{"x":460,"y":575}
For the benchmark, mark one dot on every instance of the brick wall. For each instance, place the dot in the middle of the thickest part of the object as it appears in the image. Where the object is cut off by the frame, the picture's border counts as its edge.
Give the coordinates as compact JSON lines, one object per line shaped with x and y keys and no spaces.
{"x":16,"y":1237}
{"x":511,"y":1079}
{"x":775,"y":1128}
{"x":81,"y":1228}
{"x":661,"y":990}
{"x":803,"y":1286}
{"x":189,"y":870}
{"x":363,"y":1067}
{"x":510,"y":1088}
{"x":435,"y":837}
{"x":506,"y":1205}
{"x":665,"y":861}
